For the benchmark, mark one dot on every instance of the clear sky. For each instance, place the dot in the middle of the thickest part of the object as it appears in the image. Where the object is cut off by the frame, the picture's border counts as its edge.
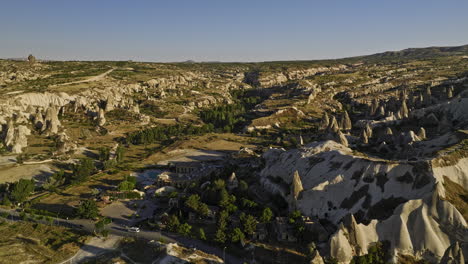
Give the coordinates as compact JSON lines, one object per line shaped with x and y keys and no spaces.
{"x":222,"y":30}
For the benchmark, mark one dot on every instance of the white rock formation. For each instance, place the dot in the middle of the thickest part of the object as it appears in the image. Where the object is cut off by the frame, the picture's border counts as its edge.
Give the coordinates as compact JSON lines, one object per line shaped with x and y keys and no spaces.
{"x":417,"y":226}
{"x":101,"y":117}
{"x":51,"y":121}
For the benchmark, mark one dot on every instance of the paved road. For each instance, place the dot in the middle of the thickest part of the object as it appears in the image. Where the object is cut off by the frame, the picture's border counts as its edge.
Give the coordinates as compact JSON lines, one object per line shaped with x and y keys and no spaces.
{"x":118,"y":230}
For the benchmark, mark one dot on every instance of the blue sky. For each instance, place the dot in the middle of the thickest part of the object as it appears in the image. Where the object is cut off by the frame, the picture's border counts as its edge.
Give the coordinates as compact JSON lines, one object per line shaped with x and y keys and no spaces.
{"x":221,"y":30}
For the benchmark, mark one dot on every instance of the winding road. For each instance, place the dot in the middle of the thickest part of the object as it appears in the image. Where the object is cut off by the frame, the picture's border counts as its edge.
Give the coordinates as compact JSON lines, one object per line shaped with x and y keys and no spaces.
{"x":92,"y":79}
{"x":116,"y":230}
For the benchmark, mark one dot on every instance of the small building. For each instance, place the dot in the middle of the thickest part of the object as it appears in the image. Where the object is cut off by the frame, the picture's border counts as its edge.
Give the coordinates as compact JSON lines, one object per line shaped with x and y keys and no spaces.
{"x":183,"y":168}
{"x":261,"y":233}
{"x":284,"y":231}
{"x":173,"y":202}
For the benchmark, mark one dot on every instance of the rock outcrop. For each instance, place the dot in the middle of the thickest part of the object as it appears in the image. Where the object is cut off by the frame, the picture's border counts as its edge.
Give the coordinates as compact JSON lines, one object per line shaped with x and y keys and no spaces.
{"x":402,"y":203}
{"x":417,"y":227}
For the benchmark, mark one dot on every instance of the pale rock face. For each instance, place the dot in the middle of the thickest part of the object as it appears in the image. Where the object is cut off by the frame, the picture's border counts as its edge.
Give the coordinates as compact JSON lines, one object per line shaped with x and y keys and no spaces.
{"x":16,"y":138}
{"x":346,"y":123}
{"x":340,"y":248}
{"x":411,"y":137}
{"x":316,"y":258}
{"x":450,"y":92}
{"x":404,"y":110}
{"x":388,"y":131}
{"x":420,"y":225}
{"x":333,"y":126}
{"x":312,"y":96}
{"x":296,"y":185}
{"x":455,"y":254}
{"x":64,"y":145}
{"x":341,"y":138}
{"x":331,"y":174}
{"x":135,"y":108}
{"x":374,"y":107}
{"x":325,"y":121}
{"x":363,"y":137}
{"x":368,"y":130}
{"x":51,"y":120}
{"x":101,"y":117}
{"x":422,"y":133}
{"x":43,"y":99}
{"x":38,"y":120}
{"x":232,"y":181}
{"x":110,"y":104}
{"x":9,"y":133}
{"x":322,"y":182}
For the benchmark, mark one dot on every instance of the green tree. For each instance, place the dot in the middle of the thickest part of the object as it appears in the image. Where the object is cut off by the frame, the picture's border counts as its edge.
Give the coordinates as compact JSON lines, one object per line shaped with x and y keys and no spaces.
{"x":172,"y":223}
{"x":88,"y":209}
{"x":201,"y":234}
{"x":6,"y":201}
{"x":22,"y":189}
{"x":222,"y":219}
{"x":237,"y":235}
{"x":83,"y":169}
{"x":203,"y":209}
{"x":220,"y":236}
{"x":104,"y":153}
{"x":227,"y":201}
{"x":120,"y":153}
{"x":219,"y":184}
{"x":193,"y":202}
{"x":243,"y":186}
{"x":126,"y":186}
{"x":267,"y":215}
{"x":249,"y":223}
{"x":184,"y":229}
{"x":294,"y":216}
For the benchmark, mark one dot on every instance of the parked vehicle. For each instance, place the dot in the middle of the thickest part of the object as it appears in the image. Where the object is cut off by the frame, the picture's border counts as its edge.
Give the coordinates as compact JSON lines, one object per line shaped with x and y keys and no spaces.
{"x":133,"y":229}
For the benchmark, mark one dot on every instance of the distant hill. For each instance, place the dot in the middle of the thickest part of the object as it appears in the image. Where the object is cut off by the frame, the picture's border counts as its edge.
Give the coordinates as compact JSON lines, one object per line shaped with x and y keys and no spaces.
{"x":420,"y":53}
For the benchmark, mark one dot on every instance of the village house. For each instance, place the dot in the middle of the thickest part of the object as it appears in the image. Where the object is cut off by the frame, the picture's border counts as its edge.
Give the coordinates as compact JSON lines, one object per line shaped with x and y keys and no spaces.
{"x":261,"y":233}
{"x":284,"y":231}
{"x":173,"y":202}
{"x":184,"y":168}
{"x":183,"y":174}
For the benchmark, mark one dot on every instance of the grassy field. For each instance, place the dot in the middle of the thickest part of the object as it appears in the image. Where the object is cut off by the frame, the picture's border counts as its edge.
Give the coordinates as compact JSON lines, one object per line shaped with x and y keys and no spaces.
{"x":25,"y":242}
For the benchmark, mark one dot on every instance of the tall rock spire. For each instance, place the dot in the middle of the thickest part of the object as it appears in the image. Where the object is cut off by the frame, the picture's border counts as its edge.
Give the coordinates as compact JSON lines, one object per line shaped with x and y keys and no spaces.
{"x":296,"y":185}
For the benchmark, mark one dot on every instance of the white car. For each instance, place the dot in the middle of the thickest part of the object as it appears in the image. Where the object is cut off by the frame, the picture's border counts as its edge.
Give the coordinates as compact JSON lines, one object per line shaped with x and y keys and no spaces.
{"x":133,"y":229}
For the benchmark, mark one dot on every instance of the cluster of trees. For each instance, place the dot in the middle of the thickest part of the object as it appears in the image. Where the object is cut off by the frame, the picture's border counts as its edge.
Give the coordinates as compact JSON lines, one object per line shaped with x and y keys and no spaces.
{"x":228,"y":118}
{"x":17,"y":192}
{"x":88,"y":209}
{"x":193,"y":202}
{"x":163,"y":133}
{"x":83,"y":169}
{"x":105,"y":156}
{"x":55,"y":180}
{"x":100,"y":226}
{"x":127,"y":184}
{"x":234,"y":205}
{"x":174,"y":225}
{"x":376,"y":254}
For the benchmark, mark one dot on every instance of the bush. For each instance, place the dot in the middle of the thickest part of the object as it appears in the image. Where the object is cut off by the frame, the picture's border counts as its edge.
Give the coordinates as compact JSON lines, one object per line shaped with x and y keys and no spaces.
{"x":22,"y":189}
{"x":88,"y":209}
{"x":83,"y":170}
